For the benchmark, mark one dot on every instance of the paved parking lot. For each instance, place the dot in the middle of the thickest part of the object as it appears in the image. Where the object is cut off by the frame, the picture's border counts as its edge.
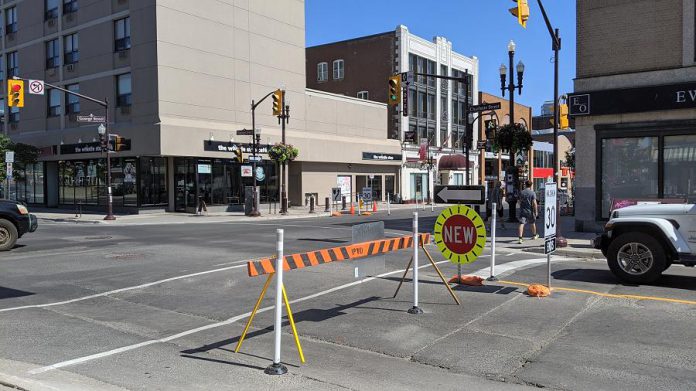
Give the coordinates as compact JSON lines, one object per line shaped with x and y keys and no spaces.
{"x":162,"y":307}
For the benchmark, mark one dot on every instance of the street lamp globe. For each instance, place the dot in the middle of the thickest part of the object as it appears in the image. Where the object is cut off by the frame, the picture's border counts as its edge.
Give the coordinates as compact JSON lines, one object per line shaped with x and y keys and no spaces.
{"x":503,"y":70}
{"x":511,"y":46}
{"x":520,"y":68}
{"x":101,"y":129}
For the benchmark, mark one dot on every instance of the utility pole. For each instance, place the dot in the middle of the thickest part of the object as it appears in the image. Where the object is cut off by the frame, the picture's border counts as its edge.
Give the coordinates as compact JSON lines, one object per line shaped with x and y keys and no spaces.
{"x":284,"y":118}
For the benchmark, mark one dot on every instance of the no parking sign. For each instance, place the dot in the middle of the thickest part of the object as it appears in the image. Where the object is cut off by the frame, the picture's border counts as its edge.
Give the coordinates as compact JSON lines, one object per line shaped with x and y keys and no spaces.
{"x":460,"y":234}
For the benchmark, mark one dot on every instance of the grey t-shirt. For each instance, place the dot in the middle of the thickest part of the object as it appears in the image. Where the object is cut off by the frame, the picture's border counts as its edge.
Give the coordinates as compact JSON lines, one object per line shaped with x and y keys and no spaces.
{"x":527,"y":197}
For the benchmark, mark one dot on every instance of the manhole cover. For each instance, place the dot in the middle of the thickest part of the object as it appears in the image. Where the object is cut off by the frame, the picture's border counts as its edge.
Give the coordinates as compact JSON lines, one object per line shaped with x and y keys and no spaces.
{"x":97,"y":237}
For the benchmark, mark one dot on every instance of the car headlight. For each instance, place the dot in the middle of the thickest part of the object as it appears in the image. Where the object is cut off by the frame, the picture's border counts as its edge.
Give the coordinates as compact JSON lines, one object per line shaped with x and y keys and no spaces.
{"x":22,"y":209}
{"x":608,"y":226}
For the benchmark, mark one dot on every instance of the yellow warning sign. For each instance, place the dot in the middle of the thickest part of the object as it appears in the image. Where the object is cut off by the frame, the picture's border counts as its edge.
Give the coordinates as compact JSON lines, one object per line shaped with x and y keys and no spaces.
{"x":460,"y":234}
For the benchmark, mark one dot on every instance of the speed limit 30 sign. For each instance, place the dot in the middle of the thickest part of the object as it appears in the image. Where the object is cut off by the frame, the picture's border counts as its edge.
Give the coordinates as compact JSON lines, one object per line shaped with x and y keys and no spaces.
{"x":550,"y":192}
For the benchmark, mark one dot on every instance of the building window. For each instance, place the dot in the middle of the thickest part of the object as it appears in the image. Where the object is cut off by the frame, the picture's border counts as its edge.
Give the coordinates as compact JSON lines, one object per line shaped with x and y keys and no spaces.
{"x":53,"y":103}
{"x":124,"y":90}
{"x":11,"y":20}
{"x":69,"y":6}
{"x":12,"y":64}
{"x":52,"y":54}
{"x":2,"y":71}
{"x":72,"y":105}
{"x":338,"y":69}
{"x":14,"y":114}
{"x":71,"y":49}
{"x":363,"y":95}
{"x":322,"y":71}
{"x":51,"y":9}
{"x":122,"y":34}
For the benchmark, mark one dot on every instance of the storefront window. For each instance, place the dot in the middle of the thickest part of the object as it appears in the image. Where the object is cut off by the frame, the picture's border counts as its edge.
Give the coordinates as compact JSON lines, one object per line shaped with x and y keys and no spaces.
{"x":153,"y":181}
{"x":629,"y":169}
{"x":680,"y":167}
{"x":389,"y":186}
{"x":419,"y":187}
{"x":27,"y":183}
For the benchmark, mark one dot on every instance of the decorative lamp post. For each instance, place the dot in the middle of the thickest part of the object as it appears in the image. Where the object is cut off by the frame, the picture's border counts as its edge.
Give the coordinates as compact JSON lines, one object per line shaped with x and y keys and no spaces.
{"x":512,"y":196}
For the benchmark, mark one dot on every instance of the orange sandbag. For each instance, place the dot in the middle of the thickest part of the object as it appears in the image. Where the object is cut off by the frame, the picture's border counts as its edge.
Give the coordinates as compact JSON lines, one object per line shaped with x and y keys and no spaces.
{"x":538,"y":290}
{"x":335,"y":214}
{"x":467,"y":280}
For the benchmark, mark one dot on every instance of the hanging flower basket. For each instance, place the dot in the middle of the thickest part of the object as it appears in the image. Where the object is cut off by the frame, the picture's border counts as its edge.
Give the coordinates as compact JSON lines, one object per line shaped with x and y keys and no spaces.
{"x":514,"y":137}
{"x":283,"y":152}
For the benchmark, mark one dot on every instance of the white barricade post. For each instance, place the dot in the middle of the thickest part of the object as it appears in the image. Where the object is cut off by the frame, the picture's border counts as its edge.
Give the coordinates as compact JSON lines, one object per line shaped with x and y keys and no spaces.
{"x":388,"y":205}
{"x":415,"y":309}
{"x":493,"y":223}
{"x":277,"y":368}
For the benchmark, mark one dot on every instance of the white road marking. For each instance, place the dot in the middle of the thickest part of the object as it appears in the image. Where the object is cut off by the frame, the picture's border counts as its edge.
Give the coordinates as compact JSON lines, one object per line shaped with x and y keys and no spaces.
{"x":514,"y":265}
{"x":107,"y":353}
{"x":503,"y":268}
{"x":122,"y":289}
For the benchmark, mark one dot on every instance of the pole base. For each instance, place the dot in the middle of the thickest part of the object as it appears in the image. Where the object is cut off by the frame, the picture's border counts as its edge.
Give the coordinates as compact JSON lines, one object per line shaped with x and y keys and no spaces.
{"x":110,"y":218}
{"x":492,"y":278}
{"x":415,"y":310}
{"x":276,"y":369}
{"x":254,"y":213}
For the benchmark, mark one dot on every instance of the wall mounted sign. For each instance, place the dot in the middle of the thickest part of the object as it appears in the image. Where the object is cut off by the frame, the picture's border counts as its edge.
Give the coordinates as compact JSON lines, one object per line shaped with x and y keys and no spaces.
{"x":226,"y":146}
{"x":70,"y":149}
{"x":381,"y":156}
{"x":633,"y":100}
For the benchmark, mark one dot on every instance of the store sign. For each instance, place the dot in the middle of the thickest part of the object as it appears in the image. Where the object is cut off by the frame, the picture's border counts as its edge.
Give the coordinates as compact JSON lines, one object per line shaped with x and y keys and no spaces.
{"x":247,"y":171}
{"x":204,"y":169}
{"x":226,"y":146}
{"x":633,"y":100}
{"x":381,"y":156}
{"x":70,"y":149}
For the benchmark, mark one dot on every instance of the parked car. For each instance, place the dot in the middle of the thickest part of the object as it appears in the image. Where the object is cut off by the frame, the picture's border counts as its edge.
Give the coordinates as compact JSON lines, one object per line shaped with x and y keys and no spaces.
{"x":15,"y":221}
{"x":642,"y":241}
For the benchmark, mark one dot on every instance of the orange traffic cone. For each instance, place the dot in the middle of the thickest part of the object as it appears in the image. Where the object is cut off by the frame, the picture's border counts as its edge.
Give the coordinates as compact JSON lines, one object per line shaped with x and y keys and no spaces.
{"x":352,"y":209}
{"x":374,"y":206}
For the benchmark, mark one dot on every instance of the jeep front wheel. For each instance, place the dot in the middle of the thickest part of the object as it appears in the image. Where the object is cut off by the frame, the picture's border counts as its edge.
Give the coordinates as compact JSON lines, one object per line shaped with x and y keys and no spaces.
{"x":636,"y":257}
{"x":8,"y":235}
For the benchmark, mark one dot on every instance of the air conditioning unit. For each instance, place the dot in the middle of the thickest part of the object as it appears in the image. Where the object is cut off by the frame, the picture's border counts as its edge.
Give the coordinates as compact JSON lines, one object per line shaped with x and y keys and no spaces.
{"x":125,"y":109}
{"x":70,"y":68}
{"x":51,"y":22}
{"x":123,"y":53}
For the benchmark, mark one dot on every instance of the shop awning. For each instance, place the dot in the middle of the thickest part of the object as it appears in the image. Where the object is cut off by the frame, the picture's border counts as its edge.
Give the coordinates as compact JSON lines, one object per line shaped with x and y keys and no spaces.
{"x":453,"y":162}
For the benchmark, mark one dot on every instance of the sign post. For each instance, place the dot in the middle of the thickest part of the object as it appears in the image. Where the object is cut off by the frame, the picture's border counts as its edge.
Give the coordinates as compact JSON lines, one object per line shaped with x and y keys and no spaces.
{"x":550,"y":193}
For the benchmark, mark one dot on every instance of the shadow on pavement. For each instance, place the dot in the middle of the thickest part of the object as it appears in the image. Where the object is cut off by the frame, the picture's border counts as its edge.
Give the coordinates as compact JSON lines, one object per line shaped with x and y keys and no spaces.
{"x":238,"y":364}
{"x":9,"y":293}
{"x":598,"y":276}
{"x":310,"y":315}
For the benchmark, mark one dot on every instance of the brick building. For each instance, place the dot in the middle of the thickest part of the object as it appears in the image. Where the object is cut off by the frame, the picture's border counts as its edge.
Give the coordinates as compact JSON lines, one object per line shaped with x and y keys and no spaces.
{"x":634,"y":104}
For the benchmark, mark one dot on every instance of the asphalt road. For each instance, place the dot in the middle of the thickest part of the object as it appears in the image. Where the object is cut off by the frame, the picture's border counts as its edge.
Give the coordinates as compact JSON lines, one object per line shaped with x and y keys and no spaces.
{"x":86,"y":306}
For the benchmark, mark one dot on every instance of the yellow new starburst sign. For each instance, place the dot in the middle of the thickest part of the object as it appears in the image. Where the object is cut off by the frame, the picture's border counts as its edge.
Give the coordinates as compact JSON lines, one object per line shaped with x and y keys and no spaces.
{"x":460,"y":234}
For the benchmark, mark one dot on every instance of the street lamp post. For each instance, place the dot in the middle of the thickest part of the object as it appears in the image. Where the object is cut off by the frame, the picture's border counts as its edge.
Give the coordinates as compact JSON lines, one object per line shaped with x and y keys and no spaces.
{"x":105,"y":136}
{"x":284,"y":119}
{"x":511,"y":89}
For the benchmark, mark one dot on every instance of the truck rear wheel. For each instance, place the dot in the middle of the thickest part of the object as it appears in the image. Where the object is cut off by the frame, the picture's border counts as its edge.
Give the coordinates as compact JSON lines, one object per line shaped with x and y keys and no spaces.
{"x":636,"y":257}
{"x":8,"y":235}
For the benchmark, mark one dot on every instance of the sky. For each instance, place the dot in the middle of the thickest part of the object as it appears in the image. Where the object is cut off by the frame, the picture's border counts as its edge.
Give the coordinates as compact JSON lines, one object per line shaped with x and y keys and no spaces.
{"x":480,"y":28}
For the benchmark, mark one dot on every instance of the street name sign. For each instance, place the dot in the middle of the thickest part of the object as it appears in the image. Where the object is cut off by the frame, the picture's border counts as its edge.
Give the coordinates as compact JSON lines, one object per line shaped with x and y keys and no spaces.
{"x":460,"y":234}
{"x":451,"y":194}
{"x":550,"y":193}
{"x":245,"y":132}
{"x":485,"y":107}
{"x":36,"y":87}
{"x":91,"y":118}
{"x":254,"y":158}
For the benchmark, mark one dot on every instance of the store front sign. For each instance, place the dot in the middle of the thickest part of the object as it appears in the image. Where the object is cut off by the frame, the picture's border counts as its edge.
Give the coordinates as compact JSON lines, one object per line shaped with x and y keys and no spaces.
{"x":222,"y":146}
{"x":70,"y":149}
{"x":380,"y":156}
{"x":633,"y":100}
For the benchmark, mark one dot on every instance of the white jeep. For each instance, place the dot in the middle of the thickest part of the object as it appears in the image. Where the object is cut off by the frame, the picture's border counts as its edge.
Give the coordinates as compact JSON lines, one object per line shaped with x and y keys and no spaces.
{"x":642,"y":241}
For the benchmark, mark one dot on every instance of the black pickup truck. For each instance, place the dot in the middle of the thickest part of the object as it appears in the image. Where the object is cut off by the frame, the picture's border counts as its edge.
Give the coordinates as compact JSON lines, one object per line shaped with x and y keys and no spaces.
{"x":15,"y":221}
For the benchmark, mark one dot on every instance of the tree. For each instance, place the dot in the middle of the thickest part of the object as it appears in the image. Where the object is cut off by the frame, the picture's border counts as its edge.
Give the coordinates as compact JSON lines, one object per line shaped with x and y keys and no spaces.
{"x":5,"y":145}
{"x":24,"y":154}
{"x":570,"y":159}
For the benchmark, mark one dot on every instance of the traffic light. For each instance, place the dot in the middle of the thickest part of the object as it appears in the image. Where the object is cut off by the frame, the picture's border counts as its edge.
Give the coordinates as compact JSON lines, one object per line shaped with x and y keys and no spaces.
{"x":120,"y":144}
{"x":491,"y":127}
{"x":238,"y":155}
{"x":521,"y":11}
{"x":278,"y":102}
{"x":563,"y":117}
{"x":394,"y":90}
{"x":15,"y":92}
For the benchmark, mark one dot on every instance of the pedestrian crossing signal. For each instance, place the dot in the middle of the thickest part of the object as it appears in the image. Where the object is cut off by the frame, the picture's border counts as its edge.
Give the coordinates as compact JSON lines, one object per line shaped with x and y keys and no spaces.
{"x":521,"y":12}
{"x":239,"y":157}
{"x":15,"y":91}
{"x":394,"y":90}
